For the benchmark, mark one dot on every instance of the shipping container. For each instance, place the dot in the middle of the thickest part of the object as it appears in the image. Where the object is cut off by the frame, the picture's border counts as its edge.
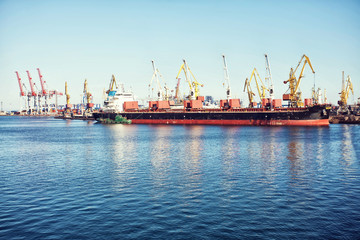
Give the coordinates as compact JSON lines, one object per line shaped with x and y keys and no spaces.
{"x":196,"y":104}
{"x":202,"y":98}
{"x":234,"y":103}
{"x":276,"y":103}
{"x":224,"y":104}
{"x":308,"y":102}
{"x":131,"y":105}
{"x":286,"y":97}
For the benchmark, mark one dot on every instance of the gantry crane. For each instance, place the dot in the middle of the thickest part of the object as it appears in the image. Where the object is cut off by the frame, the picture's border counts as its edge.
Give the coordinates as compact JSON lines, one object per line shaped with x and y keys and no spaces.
{"x":156,"y":74}
{"x":22,"y":92}
{"x":346,"y":87}
{"x":44,"y":91}
{"x":193,"y":84}
{"x":226,"y":80}
{"x":295,"y":95}
{"x":34,"y":94}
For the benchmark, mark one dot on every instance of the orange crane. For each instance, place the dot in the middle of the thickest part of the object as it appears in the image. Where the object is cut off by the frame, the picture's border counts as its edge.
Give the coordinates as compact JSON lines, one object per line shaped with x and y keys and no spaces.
{"x":22,"y":92}
{"x":44,"y":92}
{"x":33,"y":92}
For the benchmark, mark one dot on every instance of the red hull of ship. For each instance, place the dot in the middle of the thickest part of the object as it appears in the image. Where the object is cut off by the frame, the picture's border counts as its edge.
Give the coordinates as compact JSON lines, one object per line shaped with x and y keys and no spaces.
{"x":311,"y":122}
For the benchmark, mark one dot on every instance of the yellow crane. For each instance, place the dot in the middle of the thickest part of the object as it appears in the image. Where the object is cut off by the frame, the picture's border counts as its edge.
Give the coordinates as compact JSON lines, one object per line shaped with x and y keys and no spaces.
{"x":345,"y":90}
{"x":295,"y":95}
{"x":249,"y":91}
{"x":259,"y":85}
{"x":193,"y":84}
{"x":68,"y":105}
{"x":87,"y":95}
{"x":113,"y":84}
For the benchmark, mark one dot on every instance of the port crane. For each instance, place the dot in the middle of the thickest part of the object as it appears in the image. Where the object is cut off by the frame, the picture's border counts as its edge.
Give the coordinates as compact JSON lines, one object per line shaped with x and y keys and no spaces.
{"x":177,"y":90}
{"x":249,"y":91}
{"x":295,"y":95}
{"x":68,"y":105}
{"x":260,"y":86}
{"x":346,"y":87}
{"x":156,"y":74}
{"x":268,"y":78}
{"x":44,"y":91}
{"x":34,"y":93}
{"x":316,"y":96}
{"x":226,"y":79}
{"x":113,"y":84}
{"x":194,"y":84}
{"x":22,"y":92}
{"x":88,"y":97}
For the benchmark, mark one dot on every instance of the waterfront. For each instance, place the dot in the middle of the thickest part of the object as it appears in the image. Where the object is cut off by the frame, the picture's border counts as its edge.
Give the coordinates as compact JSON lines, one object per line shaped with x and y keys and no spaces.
{"x":79,"y":180}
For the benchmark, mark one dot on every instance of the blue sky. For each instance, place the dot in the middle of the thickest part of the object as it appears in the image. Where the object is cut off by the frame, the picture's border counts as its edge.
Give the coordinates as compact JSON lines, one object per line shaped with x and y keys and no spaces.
{"x":77,"y":40}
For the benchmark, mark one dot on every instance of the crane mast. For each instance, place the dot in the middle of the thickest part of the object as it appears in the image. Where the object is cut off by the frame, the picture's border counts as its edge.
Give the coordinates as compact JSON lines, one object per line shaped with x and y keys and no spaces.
{"x":160,"y":94}
{"x":87,"y":95}
{"x":44,"y":91}
{"x":22,"y":93}
{"x":249,"y":91}
{"x":33,"y":93}
{"x":194,"y":84}
{"x":177,"y":91}
{"x":113,"y":84}
{"x":68,"y":105}
{"x":226,"y":78}
{"x":268,"y":78}
{"x":347,"y":86}
{"x":295,"y":95}
{"x":261,"y":88}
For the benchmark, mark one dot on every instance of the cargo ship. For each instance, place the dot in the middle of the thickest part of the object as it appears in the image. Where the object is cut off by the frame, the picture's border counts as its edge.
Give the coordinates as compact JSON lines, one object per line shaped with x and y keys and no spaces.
{"x":193,"y":111}
{"x":309,"y":116}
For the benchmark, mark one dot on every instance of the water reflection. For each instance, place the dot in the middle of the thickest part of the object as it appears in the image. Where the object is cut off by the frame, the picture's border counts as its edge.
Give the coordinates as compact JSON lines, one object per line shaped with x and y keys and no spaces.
{"x":347,"y":148}
{"x":160,"y":154}
{"x":295,"y":155}
{"x":121,"y":148}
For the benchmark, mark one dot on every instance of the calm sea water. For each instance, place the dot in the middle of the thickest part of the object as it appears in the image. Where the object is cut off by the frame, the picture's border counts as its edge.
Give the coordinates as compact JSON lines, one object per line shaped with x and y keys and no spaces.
{"x":79,"y":180}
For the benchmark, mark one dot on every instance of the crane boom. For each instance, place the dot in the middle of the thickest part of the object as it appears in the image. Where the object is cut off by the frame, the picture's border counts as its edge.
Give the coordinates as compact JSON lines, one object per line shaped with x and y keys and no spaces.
{"x":87,"y":94}
{"x":194,"y":84}
{"x":67,"y":95}
{"x":33,"y":93}
{"x":177,"y":92}
{"x":344,"y":95}
{"x":249,"y":91}
{"x":294,"y":83}
{"x":269,"y":77}
{"x":261,"y":88}
{"x":156,"y":73}
{"x":22,"y":93}
{"x":44,"y":91}
{"x":185,"y":68}
{"x":112,"y":84}
{"x":226,"y":78}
